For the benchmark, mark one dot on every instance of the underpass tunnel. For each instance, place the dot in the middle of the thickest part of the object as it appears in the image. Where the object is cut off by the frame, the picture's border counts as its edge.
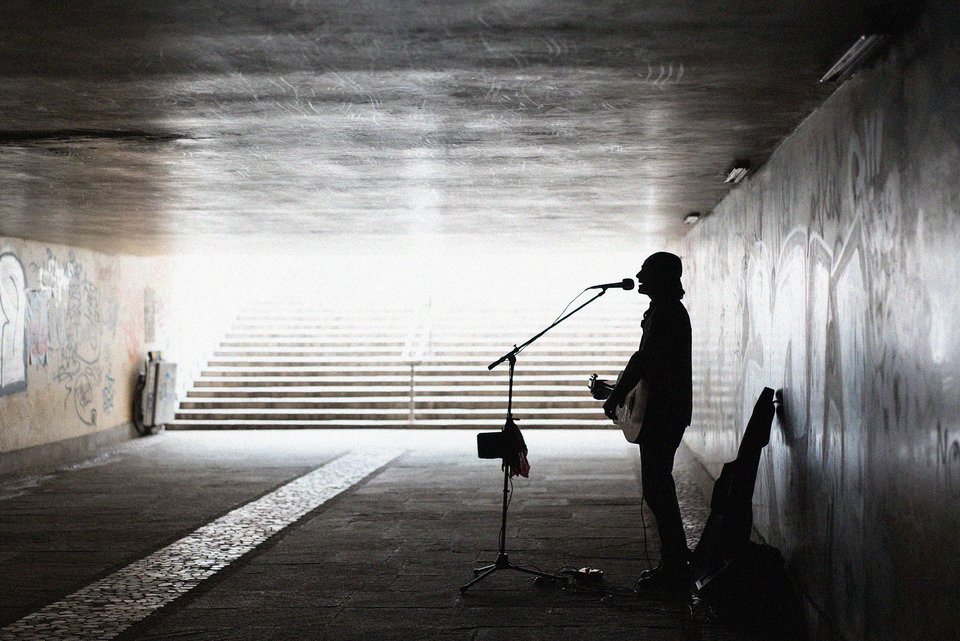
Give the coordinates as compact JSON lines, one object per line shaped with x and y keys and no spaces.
{"x":332,"y":218}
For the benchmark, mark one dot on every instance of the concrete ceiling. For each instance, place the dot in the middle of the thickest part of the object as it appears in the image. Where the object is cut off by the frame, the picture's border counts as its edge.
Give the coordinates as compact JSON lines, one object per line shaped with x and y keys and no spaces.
{"x":145,"y":127}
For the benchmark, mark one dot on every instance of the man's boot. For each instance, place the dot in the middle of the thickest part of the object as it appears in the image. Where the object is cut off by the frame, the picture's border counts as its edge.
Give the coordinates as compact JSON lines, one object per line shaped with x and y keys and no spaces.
{"x":671,"y":576}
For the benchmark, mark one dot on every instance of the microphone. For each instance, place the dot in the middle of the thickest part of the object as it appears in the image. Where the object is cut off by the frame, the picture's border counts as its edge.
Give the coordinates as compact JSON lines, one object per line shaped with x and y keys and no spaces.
{"x":626,"y":283}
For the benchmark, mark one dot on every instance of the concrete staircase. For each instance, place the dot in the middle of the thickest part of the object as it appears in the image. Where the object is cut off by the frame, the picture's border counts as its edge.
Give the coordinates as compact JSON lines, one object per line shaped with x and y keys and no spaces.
{"x":317,"y":368}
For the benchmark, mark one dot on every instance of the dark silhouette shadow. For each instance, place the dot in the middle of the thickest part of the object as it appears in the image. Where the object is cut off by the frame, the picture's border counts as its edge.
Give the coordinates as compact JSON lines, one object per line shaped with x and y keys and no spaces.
{"x":661,"y":370}
{"x":738,"y":582}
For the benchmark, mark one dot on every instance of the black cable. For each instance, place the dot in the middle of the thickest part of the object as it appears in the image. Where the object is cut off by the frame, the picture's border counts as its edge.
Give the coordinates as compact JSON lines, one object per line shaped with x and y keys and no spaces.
{"x":569,"y":304}
{"x":615,"y":595}
{"x":643,"y":524}
{"x":560,"y":315}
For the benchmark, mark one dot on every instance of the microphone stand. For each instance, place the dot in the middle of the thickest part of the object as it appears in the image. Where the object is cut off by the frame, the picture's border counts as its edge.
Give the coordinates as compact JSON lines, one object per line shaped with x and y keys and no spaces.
{"x":503,"y":562}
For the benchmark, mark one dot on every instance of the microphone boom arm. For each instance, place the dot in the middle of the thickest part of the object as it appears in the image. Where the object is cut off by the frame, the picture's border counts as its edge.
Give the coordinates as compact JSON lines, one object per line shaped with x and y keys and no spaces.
{"x":512,"y":354}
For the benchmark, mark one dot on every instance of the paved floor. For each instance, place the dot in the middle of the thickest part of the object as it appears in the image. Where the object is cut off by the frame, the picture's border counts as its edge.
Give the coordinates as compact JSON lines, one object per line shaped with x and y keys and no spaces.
{"x":334,"y":535}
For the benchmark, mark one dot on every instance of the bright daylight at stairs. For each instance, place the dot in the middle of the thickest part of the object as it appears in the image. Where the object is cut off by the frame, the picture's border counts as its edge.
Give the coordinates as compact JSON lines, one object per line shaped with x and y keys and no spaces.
{"x":397,"y":340}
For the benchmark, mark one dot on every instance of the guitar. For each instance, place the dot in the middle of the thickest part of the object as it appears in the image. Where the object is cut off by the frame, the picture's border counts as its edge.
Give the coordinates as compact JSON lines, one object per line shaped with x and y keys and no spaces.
{"x":630,"y":413}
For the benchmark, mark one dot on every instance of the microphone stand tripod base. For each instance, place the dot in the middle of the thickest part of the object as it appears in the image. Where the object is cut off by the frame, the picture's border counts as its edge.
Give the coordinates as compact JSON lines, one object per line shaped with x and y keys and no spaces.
{"x":503,"y":563}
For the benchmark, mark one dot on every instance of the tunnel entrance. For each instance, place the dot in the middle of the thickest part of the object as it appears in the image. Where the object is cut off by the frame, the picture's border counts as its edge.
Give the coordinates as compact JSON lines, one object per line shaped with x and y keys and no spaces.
{"x":307,"y":366}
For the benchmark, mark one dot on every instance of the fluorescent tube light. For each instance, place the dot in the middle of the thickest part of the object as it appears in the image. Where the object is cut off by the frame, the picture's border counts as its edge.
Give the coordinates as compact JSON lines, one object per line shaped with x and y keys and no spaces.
{"x":738,"y":172}
{"x":856,"y":57}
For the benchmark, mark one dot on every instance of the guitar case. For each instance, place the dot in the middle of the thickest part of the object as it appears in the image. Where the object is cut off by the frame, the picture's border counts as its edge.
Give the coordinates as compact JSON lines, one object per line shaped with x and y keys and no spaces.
{"x":726,"y":535}
{"x":740,"y":582}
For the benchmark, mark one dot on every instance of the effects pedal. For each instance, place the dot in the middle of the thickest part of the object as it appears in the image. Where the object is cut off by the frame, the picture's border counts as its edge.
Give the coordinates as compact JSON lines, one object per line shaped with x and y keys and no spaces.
{"x":589,"y":575}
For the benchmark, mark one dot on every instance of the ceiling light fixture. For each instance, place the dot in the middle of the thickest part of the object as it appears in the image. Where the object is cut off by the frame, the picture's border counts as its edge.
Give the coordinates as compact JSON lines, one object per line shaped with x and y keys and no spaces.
{"x":738,"y":172}
{"x":855,"y":58}
{"x":692,"y":218}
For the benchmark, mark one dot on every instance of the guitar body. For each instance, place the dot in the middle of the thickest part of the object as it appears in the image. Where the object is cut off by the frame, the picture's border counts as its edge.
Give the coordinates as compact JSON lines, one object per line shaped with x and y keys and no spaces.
{"x":630,"y":414}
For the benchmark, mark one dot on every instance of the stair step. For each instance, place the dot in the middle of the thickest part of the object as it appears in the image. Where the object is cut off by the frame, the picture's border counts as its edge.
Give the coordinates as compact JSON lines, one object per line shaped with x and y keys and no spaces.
{"x":482,"y":424}
{"x":424,"y":402}
{"x":385,"y":413}
{"x":314,"y":334}
{"x":368,"y":363}
{"x":557,"y":352}
{"x":345,"y":346}
{"x":427,"y":369}
{"x":443,"y":334}
{"x":286,"y":382}
{"x":299,"y":392}
{"x":574,"y":378}
{"x":382,"y":390}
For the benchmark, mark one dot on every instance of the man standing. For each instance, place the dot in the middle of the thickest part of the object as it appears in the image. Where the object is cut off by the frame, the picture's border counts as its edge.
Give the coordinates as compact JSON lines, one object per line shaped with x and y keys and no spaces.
{"x":663,"y":361}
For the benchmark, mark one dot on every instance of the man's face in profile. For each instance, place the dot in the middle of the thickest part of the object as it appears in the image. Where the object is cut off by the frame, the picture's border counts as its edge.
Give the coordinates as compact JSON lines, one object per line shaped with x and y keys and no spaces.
{"x":642,"y":277}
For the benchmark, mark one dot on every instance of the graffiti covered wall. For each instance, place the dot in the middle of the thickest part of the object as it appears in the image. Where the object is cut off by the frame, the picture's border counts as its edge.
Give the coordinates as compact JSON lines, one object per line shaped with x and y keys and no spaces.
{"x":833,"y":275}
{"x":73,"y":336}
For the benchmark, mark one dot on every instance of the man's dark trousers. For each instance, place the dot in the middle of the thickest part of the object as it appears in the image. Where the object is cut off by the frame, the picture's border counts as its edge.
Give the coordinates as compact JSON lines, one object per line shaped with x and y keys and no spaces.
{"x":658,"y":447}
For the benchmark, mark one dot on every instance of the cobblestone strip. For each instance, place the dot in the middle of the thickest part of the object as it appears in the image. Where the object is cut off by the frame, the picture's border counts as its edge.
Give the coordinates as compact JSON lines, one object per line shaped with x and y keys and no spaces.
{"x":103,"y":609}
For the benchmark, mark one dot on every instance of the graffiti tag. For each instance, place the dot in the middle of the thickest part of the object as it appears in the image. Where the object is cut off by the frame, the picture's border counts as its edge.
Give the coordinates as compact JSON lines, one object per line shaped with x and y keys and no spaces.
{"x":109,"y":394}
{"x":75,"y":329}
{"x":13,"y":313}
{"x":38,"y":326}
{"x":948,"y":458}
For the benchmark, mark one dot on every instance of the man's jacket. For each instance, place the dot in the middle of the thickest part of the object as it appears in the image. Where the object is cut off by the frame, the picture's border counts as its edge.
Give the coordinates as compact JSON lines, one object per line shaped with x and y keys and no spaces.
{"x":664,"y":361}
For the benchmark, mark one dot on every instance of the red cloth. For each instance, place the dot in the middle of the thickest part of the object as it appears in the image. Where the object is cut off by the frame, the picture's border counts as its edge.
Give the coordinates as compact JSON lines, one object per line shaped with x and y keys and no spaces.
{"x":516,"y":462}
